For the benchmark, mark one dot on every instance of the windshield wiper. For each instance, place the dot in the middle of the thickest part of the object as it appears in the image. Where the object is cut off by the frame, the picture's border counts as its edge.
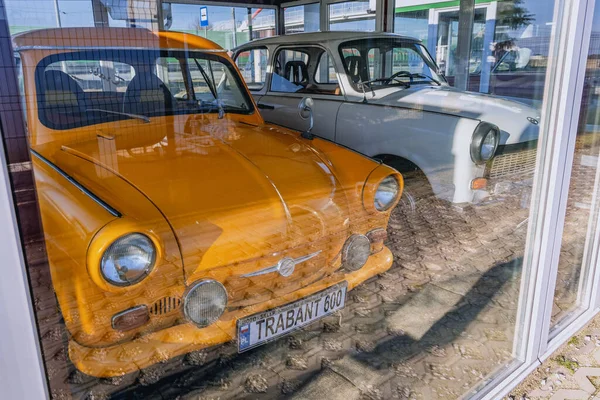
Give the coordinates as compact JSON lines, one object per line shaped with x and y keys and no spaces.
{"x":136,"y":116}
{"x":205,"y":76}
{"x":427,"y":77}
{"x":405,"y":84}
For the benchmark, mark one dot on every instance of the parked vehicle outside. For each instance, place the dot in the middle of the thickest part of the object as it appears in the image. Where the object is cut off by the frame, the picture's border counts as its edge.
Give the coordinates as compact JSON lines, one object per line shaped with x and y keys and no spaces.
{"x":382,"y":95}
{"x":174,"y":218}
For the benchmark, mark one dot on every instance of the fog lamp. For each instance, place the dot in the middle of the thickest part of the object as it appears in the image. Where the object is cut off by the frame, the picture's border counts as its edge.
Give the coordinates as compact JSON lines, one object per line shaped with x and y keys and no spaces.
{"x":205,"y":302}
{"x":356,"y":252}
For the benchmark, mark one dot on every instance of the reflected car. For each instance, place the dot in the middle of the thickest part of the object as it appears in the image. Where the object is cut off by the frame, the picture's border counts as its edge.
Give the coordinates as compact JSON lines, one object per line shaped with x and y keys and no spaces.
{"x":175,"y":223}
{"x":382,"y":95}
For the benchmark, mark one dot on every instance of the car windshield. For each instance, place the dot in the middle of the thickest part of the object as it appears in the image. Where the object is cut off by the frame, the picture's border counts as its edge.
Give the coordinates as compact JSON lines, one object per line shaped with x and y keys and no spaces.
{"x":91,"y":87}
{"x":376,"y":63}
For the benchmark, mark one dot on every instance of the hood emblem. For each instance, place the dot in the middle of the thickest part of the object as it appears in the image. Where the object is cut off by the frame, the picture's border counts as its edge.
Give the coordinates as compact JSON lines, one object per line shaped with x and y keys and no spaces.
{"x":285,"y":266}
{"x":533,"y":120}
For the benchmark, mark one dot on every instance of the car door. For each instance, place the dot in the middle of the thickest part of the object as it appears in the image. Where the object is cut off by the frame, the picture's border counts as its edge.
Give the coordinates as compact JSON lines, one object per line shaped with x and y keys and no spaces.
{"x":298,"y":72}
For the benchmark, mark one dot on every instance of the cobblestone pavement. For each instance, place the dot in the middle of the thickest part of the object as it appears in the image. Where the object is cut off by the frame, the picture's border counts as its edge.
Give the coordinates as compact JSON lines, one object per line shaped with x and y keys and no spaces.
{"x":572,"y":372}
{"x":434,"y":326}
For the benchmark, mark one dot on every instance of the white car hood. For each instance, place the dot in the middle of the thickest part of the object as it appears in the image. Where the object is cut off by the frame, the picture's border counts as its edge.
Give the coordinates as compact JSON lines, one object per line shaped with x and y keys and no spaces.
{"x":510,"y":116}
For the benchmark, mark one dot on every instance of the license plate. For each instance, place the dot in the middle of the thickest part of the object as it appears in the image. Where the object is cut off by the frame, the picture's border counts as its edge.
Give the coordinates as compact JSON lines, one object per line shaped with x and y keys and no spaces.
{"x":258,"y":329}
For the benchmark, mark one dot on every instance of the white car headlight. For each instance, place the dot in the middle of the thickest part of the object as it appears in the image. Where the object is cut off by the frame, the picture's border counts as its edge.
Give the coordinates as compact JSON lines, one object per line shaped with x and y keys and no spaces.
{"x":387,"y":193}
{"x":486,"y":139}
{"x":128,"y":260}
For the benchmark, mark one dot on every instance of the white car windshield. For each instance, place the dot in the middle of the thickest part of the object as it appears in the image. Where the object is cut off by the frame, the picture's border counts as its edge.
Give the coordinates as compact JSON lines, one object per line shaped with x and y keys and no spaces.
{"x":383,"y":62}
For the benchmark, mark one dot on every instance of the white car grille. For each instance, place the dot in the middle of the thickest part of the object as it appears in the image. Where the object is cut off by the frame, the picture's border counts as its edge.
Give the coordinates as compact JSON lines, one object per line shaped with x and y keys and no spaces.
{"x":515,"y":163}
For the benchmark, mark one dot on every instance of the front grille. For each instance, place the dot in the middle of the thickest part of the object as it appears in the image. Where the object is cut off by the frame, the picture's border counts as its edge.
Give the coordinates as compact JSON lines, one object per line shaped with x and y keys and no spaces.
{"x":165,"y":305}
{"x":517,"y":163}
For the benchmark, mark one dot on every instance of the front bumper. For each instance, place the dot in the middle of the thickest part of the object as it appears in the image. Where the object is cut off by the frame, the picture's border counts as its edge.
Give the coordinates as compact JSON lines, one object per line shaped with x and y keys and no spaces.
{"x":123,"y":358}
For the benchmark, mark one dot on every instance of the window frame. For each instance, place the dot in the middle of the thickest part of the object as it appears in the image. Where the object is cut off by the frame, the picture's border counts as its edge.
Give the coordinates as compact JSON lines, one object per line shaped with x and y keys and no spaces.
{"x":269,"y":92}
{"x":245,"y":49}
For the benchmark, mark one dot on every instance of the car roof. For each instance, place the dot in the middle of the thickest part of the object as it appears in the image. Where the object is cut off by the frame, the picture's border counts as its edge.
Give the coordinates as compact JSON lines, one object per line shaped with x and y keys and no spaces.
{"x":320,"y":37}
{"x":126,"y":38}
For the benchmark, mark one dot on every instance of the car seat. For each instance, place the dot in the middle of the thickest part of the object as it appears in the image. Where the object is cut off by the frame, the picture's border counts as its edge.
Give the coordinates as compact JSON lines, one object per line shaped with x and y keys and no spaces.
{"x":296,"y":72}
{"x":63,"y":100}
{"x":357,"y":69}
{"x":146,"y":95}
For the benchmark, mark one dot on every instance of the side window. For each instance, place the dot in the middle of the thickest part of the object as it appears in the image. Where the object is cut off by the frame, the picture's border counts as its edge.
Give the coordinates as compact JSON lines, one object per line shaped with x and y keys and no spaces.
{"x":355,"y":65}
{"x":95,"y":76}
{"x":169,"y":71}
{"x":291,"y":71}
{"x":253,"y":66}
{"x":79,"y":92}
{"x":325,"y":73}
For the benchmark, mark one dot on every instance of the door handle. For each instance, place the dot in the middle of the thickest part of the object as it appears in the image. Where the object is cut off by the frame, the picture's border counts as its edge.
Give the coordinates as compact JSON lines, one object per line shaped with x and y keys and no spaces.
{"x":265,"y":106}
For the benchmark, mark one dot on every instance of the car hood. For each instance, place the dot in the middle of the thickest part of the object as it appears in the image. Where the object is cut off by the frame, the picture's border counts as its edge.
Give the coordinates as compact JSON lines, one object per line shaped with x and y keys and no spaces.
{"x":510,"y":116}
{"x":230,"y":191}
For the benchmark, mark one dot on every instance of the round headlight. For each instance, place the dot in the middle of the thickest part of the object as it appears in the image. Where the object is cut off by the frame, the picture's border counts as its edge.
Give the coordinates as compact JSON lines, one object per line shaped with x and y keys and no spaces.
{"x":386,"y":193}
{"x":488,"y":147}
{"x":128,"y":260}
{"x":356,"y":252}
{"x":205,"y":302}
{"x":484,"y":143}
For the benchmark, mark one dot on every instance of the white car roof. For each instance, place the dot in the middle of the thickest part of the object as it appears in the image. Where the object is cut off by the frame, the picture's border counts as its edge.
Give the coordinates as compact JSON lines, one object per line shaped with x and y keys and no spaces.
{"x":322,"y":37}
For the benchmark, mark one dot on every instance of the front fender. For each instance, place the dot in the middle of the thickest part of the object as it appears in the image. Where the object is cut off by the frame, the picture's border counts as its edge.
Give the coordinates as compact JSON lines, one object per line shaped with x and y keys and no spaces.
{"x":73,"y":224}
{"x":438,"y":143}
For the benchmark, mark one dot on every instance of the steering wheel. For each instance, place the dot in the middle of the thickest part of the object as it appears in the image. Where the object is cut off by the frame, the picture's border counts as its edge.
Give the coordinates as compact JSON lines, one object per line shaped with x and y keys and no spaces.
{"x":399,"y":74}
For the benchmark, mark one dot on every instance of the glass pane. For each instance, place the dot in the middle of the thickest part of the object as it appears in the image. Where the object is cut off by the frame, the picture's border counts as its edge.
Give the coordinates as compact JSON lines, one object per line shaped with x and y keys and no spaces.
{"x":413,"y":23}
{"x":262,"y":22}
{"x":304,"y":18}
{"x":253,"y":66}
{"x":358,"y":229}
{"x":447,"y":41}
{"x":291,"y":71}
{"x":227,"y":26}
{"x":352,"y":16}
{"x":582,"y":204}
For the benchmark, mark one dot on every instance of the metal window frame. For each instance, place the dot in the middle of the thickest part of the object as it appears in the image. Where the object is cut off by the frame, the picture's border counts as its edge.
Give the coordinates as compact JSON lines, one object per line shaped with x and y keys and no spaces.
{"x":23,"y":375}
{"x":21,"y":364}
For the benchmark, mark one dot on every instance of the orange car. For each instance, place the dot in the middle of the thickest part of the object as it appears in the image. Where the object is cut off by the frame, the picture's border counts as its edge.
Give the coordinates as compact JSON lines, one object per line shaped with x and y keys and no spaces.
{"x":175,"y":218}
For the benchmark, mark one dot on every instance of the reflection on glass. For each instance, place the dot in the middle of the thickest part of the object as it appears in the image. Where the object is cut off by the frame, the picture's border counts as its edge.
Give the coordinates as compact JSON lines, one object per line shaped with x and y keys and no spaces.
{"x":509,"y":47}
{"x":582,"y":205}
{"x":413,"y":23}
{"x":227,"y":26}
{"x":352,"y":16}
{"x":304,"y":18}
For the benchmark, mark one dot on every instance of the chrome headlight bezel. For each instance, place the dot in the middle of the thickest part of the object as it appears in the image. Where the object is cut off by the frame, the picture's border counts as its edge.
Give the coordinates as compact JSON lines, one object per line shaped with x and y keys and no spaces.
{"x":482,"y":132}
{"x":149,"y":247}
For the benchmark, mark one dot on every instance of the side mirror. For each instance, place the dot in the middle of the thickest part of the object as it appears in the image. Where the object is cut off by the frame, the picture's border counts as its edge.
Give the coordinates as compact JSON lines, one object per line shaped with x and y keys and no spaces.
{"x":306,"y":111}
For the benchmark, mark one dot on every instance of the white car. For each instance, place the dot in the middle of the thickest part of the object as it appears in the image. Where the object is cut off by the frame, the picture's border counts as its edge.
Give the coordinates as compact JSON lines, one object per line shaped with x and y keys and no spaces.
{"x":382,"y":95}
